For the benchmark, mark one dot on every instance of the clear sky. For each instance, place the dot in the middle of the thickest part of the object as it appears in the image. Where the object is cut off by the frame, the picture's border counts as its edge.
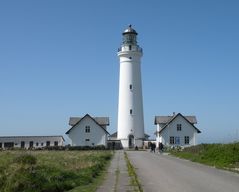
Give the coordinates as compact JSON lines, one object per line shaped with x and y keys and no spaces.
{"x":59,"y":59}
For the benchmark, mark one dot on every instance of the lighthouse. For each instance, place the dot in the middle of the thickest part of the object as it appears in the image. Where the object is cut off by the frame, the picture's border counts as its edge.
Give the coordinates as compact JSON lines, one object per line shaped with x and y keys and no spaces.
{"x":130,"y":105}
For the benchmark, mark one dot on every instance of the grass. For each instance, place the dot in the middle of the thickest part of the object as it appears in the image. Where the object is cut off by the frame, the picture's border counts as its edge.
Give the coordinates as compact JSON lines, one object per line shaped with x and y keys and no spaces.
{"x":52,"y":171}
{"x":134,"y":178}
{"x":225,"y":156}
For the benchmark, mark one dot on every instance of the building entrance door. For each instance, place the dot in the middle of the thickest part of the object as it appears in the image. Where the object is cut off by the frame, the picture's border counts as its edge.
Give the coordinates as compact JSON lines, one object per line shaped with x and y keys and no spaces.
{"x":22,"y":144}
{"x":131,"y":141}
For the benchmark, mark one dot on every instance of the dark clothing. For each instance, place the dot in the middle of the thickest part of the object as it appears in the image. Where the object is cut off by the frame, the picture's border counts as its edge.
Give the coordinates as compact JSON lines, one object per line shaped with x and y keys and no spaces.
{"x":160,"y":147}
{"x":153,"y":146}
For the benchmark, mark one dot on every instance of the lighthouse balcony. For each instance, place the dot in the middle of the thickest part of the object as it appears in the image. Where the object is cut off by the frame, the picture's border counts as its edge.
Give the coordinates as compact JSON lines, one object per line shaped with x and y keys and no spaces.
{"x":130,"y":48}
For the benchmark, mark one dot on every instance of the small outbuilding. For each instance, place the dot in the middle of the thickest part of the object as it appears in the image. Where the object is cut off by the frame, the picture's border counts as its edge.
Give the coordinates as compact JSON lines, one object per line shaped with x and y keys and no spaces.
{"x":176,"y":130}
{"x":30,"y":142}
{"x":88,"y":131}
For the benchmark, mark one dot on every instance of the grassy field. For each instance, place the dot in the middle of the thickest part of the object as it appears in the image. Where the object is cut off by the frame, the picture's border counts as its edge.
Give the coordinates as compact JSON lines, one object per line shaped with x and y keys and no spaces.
{"x":225,"y":156}
{"x":51,"y":171}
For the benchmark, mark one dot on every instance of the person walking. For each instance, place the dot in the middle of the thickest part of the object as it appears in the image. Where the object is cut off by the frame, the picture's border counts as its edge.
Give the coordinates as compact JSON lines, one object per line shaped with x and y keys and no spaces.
{"x":153,"y":147}
{"x":160,"y":147}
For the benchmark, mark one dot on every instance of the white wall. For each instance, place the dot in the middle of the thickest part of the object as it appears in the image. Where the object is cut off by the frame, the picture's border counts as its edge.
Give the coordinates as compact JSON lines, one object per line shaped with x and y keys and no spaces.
{"x":38,"y":141}
{"x":130,"y":74}
{"x":171,"y":130}
{"x":78,"y":136}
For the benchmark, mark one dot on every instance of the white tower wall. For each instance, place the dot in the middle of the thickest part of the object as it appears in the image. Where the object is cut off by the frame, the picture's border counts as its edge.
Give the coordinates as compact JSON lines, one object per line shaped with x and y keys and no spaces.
{"x":130,"y":106}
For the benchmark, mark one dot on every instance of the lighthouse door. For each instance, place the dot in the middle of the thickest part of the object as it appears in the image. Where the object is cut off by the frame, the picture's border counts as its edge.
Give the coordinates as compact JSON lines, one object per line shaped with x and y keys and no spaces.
{"x":131,"y":141}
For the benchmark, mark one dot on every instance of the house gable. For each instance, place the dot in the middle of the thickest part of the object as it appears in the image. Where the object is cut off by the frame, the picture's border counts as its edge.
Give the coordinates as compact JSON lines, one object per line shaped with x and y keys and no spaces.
{"x":176,"y":117}
{"x":179,"y":131}
{"x":87,"y":132}
{"x":87,"y":116}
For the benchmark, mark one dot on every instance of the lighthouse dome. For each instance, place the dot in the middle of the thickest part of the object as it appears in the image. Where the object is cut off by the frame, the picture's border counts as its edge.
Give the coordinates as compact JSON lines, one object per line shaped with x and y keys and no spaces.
{"x":130,"y":30}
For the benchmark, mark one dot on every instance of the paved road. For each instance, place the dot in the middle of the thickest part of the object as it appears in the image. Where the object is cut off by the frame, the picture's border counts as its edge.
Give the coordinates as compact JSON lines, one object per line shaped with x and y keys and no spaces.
{"x":163,"y":173}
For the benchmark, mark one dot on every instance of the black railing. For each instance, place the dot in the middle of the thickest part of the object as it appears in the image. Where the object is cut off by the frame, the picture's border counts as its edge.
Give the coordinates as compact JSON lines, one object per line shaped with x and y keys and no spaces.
{"x":128,"y":49}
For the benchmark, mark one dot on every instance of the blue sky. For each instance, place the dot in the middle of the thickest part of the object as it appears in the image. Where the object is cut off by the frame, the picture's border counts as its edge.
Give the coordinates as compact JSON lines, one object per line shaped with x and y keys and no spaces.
{"x":59,"y":59}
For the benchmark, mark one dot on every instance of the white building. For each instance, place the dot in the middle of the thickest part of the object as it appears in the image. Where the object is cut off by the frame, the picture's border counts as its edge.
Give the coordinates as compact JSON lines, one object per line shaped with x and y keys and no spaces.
{"x":28,"y":142}
{"x":88,"y":131}
{"x":176,"y":130}
{"x":130,"y":106}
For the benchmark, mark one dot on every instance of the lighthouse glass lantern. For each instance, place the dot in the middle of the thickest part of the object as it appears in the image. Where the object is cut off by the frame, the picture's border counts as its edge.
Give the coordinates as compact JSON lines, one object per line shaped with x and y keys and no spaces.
{"x":129,"y":36}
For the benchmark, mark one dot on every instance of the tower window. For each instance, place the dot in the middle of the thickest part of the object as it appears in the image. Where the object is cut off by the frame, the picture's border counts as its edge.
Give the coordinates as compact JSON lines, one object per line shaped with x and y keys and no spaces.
{"x":130,"y":47}
{"x":130,"y":86}
{"x":131,"y":111}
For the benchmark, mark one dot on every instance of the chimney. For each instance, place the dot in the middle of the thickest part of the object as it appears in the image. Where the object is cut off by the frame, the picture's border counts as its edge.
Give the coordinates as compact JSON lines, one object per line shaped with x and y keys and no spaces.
{"x":174,"y":114}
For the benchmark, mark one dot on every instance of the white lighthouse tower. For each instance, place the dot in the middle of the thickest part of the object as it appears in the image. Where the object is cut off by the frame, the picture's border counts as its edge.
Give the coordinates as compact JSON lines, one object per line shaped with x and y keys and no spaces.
{"x":130,"y":106}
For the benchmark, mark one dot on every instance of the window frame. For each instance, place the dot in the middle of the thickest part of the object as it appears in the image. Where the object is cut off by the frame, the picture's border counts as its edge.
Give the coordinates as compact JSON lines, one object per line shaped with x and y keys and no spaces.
{"x":186,"y":140}
{"x":179,"y":127}
{"x":87,"y":129}
{"x":56,"y":143}
{"x":171,"y":140}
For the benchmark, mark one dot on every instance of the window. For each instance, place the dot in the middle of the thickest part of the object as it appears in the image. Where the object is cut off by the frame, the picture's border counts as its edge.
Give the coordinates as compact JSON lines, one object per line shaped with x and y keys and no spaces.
{"x":42,"y":144}
{"x":179,"y":127}
{"x":186,"y":139}
{"x":0,"y":145}
{"x":87,"y":129}
{"x":171,"y":140}
{"x":131,"y":111}
{"x":87,"y":139}
{"x":48,"y":143}
{"x":130,"y":86}
{"x":55,"y":143}
{"x":177,"y":140}
{"x":130,"y":57}
{"x":130,"y":47}
{"x":37,"y":144}
{"x":8,"y":145}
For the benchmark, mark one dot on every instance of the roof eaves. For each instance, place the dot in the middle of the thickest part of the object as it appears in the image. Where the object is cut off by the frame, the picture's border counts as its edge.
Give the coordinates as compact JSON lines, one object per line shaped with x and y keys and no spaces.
{"x":87,"y":115}
{"x":198,"y":131}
